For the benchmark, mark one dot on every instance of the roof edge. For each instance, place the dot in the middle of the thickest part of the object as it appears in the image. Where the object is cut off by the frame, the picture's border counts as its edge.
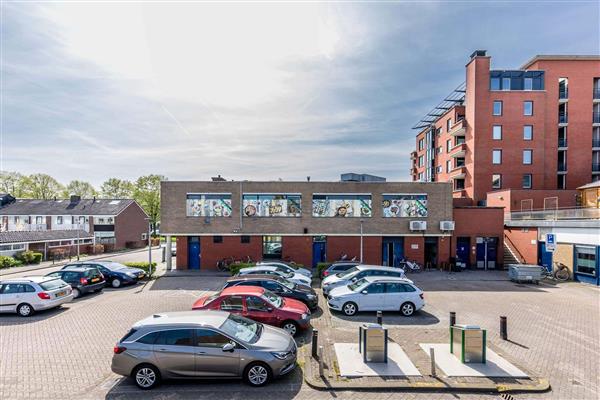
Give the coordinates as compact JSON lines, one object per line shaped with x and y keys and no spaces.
{"x":560,"y":57}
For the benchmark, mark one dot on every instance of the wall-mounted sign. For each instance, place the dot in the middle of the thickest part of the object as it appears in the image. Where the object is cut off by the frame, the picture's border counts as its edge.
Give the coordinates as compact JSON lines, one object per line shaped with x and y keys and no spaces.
{"x":328,"y":205}
{"x":550,"y":242}
{"x":208,"y":205}
{"x":271,"y":205}
{"x":414,"y":246}
{"x":404,"y":205}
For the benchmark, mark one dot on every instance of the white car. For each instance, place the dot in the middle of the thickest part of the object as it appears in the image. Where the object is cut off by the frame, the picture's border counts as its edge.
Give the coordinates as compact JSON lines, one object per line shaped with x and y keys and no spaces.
{"x":287,"y":266}
{"x":358,"y":272}
{"x":33,"y":293}
{"x":377,"y":293}
{"x":291,"y":276}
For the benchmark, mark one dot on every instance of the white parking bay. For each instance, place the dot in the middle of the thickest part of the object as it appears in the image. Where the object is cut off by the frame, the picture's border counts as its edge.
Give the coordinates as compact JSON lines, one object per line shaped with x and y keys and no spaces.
{"x":351,"y":362}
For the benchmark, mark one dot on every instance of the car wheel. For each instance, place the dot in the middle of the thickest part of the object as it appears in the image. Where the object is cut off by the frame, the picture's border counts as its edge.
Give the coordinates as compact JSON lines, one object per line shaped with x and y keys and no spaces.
{"x":257,"y":374}
{"x":76,"y":293}
{"x":350,"y":309}
{"x":24,"y":310}
{"x":146,"y":376}
{"x":407,"y":309}
{"x":290,"y":327}
{"x":116,"y":283}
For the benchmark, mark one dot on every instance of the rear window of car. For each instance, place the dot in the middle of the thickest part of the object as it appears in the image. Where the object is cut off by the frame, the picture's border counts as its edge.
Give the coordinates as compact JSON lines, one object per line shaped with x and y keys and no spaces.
{"x":53,"y":284}
{"x":149,"y":338}
{"x":92,"y":273}
{"x":128,"y":334}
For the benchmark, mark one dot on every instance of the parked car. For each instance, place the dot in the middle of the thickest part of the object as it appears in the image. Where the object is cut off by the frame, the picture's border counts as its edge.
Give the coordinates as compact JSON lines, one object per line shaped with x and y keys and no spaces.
{"x":33,"y":293}
{"x":338,"y":267}
{"x":115,"y":274}
{"x":260,"y":305}
{"x":83,"y":280}
{"x":291,"y":276}
{"x":290,"y":267}
{"x":358,"y":272}
{"x":203,"y":344}
{"x":375,"y":293}
{"x":277,"y":285}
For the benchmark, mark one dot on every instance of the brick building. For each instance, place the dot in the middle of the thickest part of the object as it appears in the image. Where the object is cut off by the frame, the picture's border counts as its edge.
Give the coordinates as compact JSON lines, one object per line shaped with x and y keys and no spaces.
{"x":309,"y":222}
{"x":533,"y":128}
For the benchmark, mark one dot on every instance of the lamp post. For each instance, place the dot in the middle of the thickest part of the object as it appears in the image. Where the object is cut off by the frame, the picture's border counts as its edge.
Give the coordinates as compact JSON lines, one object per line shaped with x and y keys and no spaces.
{"x":361,"y":240}
{"x":149,"y":247}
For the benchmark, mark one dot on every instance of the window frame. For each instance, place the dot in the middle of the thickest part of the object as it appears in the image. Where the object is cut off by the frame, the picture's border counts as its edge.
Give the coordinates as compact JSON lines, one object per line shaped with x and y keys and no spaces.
{"x":530,"y":177}
{"x":499,"y":102}
{"x":530,"y":132}
{"x":499,"y":180}
{"x":530,"y":152}
{"x":498,"y":151}
{"x":525,"y":102}
{"x":496,"y":129}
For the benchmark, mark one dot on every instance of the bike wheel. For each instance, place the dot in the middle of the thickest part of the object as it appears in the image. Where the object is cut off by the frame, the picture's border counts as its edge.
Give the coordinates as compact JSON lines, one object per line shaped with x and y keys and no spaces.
{"x":562,"y":274}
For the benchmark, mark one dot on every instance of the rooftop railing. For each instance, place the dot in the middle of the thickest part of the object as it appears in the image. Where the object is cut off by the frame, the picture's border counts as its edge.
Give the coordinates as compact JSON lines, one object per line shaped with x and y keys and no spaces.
{"x":555,"y":214}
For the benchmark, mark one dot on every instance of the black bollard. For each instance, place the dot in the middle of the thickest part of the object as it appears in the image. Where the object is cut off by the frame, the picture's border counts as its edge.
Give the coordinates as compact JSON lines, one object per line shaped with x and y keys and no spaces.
{"x":452,"y":318}
{"x":315,"y":342}
{"x":379,"y":318}
{"x":503,"y":328}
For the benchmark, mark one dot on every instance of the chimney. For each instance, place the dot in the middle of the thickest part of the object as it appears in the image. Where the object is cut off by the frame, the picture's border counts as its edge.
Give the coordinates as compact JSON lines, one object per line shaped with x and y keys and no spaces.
{"x":308,"y":179}
{"x":75,"y":198}
{"x":218,"y":178}
{"x":478,"y":53}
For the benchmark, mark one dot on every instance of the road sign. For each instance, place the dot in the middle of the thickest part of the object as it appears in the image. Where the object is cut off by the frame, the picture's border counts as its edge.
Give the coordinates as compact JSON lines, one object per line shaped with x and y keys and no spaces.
{"x":550,"y":242}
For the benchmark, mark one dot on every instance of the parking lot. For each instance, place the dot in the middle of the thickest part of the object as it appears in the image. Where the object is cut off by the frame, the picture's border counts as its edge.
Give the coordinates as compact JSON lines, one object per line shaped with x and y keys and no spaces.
{"x":66,"y":353}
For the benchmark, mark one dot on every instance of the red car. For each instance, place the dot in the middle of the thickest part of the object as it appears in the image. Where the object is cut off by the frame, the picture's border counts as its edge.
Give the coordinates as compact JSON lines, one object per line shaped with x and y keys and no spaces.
{"x":260,"y":305}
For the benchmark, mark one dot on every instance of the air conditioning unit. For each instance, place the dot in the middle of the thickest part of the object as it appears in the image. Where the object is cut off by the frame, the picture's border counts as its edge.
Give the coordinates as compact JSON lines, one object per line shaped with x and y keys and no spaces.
{"x":446,"y":225}
{"x":144,"y":236}
{"x":418,"y":225}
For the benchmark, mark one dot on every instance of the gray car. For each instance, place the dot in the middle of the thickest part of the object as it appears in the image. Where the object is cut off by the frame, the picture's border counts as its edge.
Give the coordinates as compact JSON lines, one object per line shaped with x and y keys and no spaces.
{"x":203,"y":344}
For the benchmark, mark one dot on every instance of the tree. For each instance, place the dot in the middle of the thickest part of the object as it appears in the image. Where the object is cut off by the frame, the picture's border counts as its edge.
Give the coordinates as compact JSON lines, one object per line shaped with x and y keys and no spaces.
{"x":43,"y":186}
{"x":14,"y":183}
{"x":115,"y":188}
{"x":80,"y":188}
{"x":147,"y":194}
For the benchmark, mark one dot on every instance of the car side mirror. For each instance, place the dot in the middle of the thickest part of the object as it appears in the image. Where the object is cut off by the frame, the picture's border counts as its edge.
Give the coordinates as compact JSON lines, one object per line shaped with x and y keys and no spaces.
{"x":364,"y":292}
{"x":228,"y":347}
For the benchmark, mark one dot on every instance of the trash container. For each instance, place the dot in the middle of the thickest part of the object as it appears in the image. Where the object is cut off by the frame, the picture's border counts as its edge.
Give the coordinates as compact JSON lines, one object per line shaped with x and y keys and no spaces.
{"x":372,"y":343}
{"x":467,"y":342}
{"x":524,"y":273}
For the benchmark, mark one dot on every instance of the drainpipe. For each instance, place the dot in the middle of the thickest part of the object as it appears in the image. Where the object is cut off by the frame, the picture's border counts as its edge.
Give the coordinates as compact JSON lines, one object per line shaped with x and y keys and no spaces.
{"x":241,"y":209}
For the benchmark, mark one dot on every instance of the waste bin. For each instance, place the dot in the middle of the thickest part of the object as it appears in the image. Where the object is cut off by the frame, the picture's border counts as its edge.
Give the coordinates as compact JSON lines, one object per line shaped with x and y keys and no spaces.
{"x":524,"y":273}
{"x":372,"y":343}
{"x":467,"y":342}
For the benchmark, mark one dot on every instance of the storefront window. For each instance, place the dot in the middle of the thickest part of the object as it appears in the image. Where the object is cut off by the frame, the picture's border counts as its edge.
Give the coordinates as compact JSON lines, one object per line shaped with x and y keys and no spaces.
{"x":585,"y":260}
{"x":341,"y":205}
{"x":404,"y":205}
{"x":271,"y":205}
{"x":272,"y":247}
{"x":208,"y":205}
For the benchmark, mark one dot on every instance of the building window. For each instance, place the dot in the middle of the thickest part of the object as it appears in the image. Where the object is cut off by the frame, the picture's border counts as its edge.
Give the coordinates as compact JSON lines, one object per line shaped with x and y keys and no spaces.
{"x":448,"y":165}
{"x":459,"y":184}
{"x":420,"y":176}
{"x":271,"y":205}
{"x":217,"y":239}
{"x":440,"y":150}
{"x":272,"y":247}
{"x":497,"y":107}
{"x":561,"y":181}
{"x":341,"y":205}
{"x":585,"y":260}
{"x":505,"y":83}
{"x":208,"y":205}
{"x":496,"y":181}
{"x":497,"y":132}
{"x":39,"y":220}
{"x":404,"y":205}
{"x":528,"y":108}
{"x":244,"y":239}
{"x":420,"y":161}
{"x":527,"y":132}
{"x":59,"y":220}
{"x":526,"y":181}
{"x":438,"y":131}
{"x":448,"y":124}
{"x":439,"y":169}
{"x":528,"y":84}
{"x":495,"y":83}
{"x":496,"y":156}
{"x":448,"y":145}
{"x":563,"y":88}
{"x":421,"y":144}
{"x":527,"y":156}
{"x":460,"y":162}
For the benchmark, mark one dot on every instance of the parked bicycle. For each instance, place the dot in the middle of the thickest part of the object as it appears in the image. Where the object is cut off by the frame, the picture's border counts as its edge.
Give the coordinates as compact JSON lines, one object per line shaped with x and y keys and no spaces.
{"x":559,"y":272}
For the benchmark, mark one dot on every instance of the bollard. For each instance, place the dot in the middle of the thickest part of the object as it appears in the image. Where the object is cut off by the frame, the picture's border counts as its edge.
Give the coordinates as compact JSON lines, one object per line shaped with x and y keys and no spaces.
{"x":432,"y":356}
{"x":503,"y":328}
{"x":315,"y":342}
{"x":321,"y":373}
{"x":452,"y":318}
{"x":379,"y":318}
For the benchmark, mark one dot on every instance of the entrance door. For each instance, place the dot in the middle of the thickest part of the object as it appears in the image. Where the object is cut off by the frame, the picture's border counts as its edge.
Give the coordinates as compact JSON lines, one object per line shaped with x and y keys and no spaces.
{"x":319,"y":252}
{"x":431,"y":251}
{"x":487,"y":249}
{"x":544,"y":256}
{"x":194,"y":253}
{"x":463,"y":245}
{"x":392,"y":251}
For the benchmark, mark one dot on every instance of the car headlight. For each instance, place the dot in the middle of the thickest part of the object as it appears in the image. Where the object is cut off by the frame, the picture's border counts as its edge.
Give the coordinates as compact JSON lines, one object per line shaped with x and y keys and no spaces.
{"x":333,"y":299}
{"x":282,"y":355}
{"x":304,"y":316}
{"x":130,"y":274}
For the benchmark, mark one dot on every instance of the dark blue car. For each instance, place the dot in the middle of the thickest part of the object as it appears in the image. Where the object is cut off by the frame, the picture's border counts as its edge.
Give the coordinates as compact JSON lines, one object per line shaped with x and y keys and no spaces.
{"x":115,"y":274}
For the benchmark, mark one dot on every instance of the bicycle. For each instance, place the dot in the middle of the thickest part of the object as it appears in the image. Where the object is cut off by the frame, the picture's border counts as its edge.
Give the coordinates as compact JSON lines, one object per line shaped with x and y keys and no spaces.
{"x":560,"y":272}
{"x":225,"y":263}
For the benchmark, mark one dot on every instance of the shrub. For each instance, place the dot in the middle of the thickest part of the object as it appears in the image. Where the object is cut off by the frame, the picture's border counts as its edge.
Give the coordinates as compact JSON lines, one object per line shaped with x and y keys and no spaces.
{"x":322,"y":266}
{"x":96,"y":249}
{"x":143,"y":265}
{"x":235,"y":268}
{"x":8,"y":262}
{"x":29,"y":257}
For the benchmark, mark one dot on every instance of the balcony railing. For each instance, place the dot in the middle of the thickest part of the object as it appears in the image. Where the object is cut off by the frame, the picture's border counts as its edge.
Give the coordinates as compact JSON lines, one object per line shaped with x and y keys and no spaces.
{"x":595,"y":167}
{"x":563,"y":118}
{"x":554,"y":215}
{"x":562,"y":142}
{"x":596,"y":119}
{"x":563,"y":93}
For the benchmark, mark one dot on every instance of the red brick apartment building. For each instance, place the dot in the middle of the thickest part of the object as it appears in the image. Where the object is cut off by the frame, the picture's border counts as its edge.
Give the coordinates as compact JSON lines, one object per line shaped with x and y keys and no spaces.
{"x":537,"y":127}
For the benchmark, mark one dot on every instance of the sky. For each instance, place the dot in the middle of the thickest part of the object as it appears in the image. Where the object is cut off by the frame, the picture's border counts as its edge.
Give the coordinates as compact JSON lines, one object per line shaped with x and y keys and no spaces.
{"x":257,"y":91}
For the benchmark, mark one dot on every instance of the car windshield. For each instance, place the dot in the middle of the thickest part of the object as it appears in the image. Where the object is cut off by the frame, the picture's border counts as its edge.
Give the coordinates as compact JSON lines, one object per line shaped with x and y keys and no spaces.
{"x":287,"y":284}
{"x":241,"y":328}
{"x":272,"y":298}
{"x":344,"y":274}
{"x":115,"y":265}
{"x":282,"y":269}
{"x":358,"y":285}
{"x":212,"y":298}
{"x":52,"y":284}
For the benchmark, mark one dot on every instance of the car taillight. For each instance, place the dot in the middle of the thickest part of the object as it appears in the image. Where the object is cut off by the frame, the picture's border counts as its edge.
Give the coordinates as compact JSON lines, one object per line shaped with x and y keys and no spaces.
{"x":119,"y":349}
{"x":83,"y":281}
{"x":43,"y":296}
{"x":325,"y":273}
{"x":421,"y":296}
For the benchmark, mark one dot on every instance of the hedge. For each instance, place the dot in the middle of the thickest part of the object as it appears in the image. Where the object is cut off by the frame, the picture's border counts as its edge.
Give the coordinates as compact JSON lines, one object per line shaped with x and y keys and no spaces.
{"x":235,"y":268}
{"x":322,"y":266}
{"x":29,"y":257}
{"x":142,"y":265}
{"x":8,"y":262}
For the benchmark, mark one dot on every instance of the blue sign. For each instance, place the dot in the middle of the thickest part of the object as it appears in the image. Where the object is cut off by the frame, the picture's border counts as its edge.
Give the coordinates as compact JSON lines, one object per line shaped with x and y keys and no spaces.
{"x":550,"y":242}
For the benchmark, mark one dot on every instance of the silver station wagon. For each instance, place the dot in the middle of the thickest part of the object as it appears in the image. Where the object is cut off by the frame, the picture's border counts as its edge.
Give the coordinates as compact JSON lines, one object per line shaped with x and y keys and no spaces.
{"x":203,"y":344}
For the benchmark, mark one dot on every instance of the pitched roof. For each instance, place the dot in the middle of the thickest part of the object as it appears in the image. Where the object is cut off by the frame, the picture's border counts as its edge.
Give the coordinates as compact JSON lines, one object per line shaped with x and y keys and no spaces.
{"x":66,"y":207}
{"x":41,"y":236}
{"x":590,"y":185}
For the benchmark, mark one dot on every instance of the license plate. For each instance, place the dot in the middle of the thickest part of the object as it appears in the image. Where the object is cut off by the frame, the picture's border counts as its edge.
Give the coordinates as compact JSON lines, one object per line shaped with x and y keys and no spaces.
{"x":141,"y":276}
{"x":95,"y":279}
{"x":61,"y":294}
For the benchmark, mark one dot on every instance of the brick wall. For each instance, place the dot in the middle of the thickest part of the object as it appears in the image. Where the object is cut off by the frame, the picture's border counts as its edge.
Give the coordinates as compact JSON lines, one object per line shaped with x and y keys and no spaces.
{"x":211,"y":252}
{"x":182,"y":252}
{"x":130,"y":224}
{"x":298,"y":249}
{"x":476,"y":222}
{"x":521,"y":241}
{"x":410,"y":252}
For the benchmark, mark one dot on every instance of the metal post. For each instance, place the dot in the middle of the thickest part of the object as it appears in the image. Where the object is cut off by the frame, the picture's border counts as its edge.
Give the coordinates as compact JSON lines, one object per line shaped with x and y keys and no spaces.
{"x":149,"y":249}
{"x":77,"y":242}
{"x":503,"y":328}
{"x":164,"y":252}
{"x":432,"y":357}
{"x":452,"y":318}
{"x":321,"y":373}
{"x":315,"y":342}
{"x":379,"y":318}
{"x":361,"y":240}
{"x":485,"y":253}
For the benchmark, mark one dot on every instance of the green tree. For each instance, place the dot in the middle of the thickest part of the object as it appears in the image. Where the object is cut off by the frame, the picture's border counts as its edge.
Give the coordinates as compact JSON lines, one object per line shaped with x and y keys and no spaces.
{"x":43,"y":186}
{"x":14,"y":183}
{"x":115,"y":188}
{"x":80,"y":188}
{"x":147,"y":194}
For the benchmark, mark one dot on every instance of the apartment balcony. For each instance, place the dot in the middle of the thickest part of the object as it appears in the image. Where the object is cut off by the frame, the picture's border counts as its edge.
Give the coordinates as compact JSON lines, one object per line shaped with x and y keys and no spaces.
{"x":596,"y":168}
{"x":596,"y":118}
{"x":562,"y":168}
{"x":458,"y":172}
{"x":563,"y":118}
{"x":562,"y":143}
{"x":596,"y":143}
{"x":70,"y":227}
{"x":459,"y":128}
{"x":459,"y":150}
{"x":26,"y":227}
{"x":597,"y":95}
{"x":563,"y":94}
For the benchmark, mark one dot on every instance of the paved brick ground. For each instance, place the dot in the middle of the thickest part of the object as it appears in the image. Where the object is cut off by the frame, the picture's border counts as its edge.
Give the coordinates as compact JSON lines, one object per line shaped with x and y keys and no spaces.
{"x":66,"y":353}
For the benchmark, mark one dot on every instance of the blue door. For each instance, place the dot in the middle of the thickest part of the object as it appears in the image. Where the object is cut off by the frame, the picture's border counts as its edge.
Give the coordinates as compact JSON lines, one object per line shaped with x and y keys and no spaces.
{"x":194,"y":253}
{"x":392,"y":251}
{"x":463,"y":245}
{"x":544,"y":256}
{"x":491,"y":245}
{"x":319,"y":252}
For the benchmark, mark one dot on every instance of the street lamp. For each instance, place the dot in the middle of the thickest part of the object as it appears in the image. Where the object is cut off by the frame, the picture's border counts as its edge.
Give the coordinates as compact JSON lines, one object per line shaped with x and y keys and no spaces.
{"x":149,"y":246}
{"x":361,"y":240}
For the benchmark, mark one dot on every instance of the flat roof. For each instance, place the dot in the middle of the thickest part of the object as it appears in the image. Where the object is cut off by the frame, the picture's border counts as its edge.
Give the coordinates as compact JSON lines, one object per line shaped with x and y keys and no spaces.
{"x":561,"y":57}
